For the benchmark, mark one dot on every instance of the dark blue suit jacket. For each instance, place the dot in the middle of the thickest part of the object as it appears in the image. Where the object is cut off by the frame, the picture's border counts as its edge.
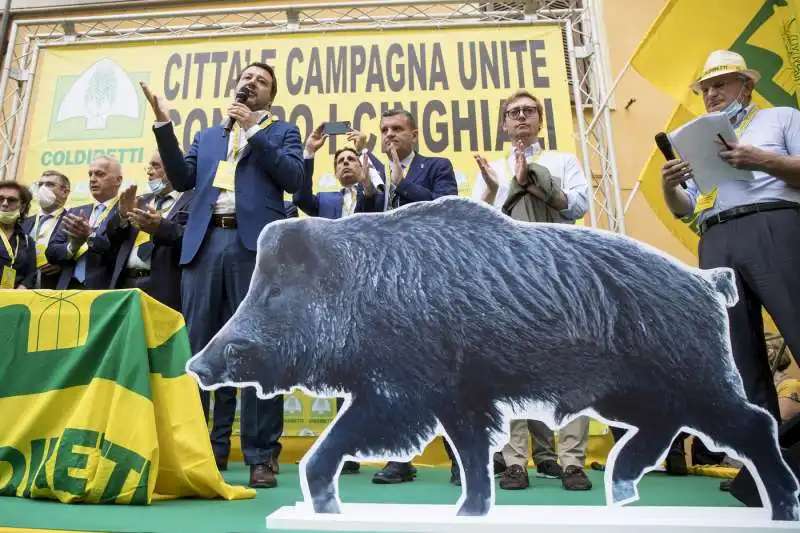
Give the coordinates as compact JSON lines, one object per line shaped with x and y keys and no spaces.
{"x":25,"y":259}
{"x":165,"y":281}
{"x":329,"y":204}
{"x":271,"y":163}
{"x":49,"y":281}
{"x":100,"y":257}
{"x":427,"y":179}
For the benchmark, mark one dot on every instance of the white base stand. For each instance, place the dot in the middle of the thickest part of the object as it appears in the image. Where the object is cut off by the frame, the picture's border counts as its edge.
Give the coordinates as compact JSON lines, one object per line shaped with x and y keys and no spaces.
{"x":529,"y":519}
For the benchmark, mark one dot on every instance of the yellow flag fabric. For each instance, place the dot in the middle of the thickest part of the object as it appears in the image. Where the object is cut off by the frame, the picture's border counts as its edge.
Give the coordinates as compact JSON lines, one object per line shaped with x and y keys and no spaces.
{"x":672,"y":54}
{"x":764,"y":32}
{"x":95,"y":404}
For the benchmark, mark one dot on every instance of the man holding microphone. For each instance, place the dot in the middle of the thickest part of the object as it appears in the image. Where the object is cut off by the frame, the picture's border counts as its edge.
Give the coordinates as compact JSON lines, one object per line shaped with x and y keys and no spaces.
{"x":239,"y":179}
{"x":750,"y":226}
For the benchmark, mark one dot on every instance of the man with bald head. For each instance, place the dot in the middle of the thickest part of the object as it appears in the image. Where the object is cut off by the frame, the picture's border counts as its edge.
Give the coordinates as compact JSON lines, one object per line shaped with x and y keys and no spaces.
{"x":85,"y":241}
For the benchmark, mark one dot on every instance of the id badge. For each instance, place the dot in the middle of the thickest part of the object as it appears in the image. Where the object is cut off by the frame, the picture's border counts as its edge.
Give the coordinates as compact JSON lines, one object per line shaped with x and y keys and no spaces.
{"x":706,"y":201}
{"x":224,"y":178}
{"x":41,"y":259}
{"x":141,"y":238}
{"x":8,"y":279}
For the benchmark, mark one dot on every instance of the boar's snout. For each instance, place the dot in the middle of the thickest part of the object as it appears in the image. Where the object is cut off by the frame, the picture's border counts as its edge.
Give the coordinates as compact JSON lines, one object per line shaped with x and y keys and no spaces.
{"x":211,"y":365}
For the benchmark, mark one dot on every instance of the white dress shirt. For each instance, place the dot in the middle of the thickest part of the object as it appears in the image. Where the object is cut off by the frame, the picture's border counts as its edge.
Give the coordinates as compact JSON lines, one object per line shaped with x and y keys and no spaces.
{"x":562,"y":165}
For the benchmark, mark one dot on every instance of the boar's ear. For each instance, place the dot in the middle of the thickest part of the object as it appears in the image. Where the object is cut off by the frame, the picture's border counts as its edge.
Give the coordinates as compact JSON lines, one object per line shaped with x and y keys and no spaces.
{"x":296,"y":247}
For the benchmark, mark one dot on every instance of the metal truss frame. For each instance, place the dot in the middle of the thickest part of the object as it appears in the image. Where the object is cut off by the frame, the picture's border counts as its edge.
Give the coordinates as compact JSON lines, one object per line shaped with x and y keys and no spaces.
{"x":580,"y":21}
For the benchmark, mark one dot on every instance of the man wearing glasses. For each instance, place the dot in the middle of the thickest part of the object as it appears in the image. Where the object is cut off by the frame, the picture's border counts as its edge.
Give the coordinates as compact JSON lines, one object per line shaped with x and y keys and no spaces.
{"x":153,"y":226}
{"x":53,"y":190}
{"x":536,"y":185}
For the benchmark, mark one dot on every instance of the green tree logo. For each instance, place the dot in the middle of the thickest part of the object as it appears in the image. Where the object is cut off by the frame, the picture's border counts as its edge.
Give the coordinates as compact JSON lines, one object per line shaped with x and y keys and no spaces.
{"x":104,"y":102}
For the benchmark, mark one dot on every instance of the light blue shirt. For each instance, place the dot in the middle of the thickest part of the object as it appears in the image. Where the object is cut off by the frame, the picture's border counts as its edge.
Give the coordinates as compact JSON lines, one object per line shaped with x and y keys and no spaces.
{"x":776,"y":130}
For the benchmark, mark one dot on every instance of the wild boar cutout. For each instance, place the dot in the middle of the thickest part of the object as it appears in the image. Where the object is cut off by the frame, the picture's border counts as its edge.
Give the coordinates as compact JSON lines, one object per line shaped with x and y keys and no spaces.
{"x":448,"y":317}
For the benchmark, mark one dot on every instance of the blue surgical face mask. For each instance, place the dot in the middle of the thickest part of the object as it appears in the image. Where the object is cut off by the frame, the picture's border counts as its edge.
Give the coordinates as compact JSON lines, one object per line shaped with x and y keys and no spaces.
{"x":733,"y":109}
{"x":156,"y":186}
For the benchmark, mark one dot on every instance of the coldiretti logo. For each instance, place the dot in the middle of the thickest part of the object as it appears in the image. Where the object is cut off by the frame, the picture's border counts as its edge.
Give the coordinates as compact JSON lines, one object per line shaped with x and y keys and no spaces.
{"x":104,"y":102}
{"x":79,"y":453}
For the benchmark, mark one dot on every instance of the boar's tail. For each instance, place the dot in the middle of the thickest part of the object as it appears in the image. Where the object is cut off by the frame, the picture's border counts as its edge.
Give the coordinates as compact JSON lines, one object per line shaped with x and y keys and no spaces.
{"x":724,"y":282}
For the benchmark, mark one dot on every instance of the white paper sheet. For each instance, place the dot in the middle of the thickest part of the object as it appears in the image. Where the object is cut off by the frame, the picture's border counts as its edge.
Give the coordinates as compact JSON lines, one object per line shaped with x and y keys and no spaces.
{"x":698,"y":143}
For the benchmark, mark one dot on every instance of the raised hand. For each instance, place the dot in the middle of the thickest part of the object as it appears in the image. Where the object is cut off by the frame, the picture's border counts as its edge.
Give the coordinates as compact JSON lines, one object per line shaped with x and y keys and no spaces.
{"x":358,"y":139}
{"x":127,"y":201}
{"x":316,"y":139}
{"x":487,"y":172}
{"x":158,"y":104}
{"x":397,"y":168}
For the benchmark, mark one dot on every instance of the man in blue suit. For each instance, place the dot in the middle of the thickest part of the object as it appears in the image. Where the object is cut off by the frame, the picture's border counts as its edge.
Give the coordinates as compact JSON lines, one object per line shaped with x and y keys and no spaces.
{"x":149,"y":255}
{"x":358,"y":193}
{"x":411,"y":177}
{"x":239,"y":180}
{"x":85,"y":241}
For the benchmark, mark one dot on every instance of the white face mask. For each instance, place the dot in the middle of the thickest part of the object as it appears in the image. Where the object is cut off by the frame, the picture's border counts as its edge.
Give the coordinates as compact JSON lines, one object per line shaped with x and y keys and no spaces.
{"x":8,"y":217}
{"x":46,"y":197}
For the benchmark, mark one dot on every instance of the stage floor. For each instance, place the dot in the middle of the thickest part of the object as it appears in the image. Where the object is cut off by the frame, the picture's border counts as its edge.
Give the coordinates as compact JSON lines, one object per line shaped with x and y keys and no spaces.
{"x":431,"y":487}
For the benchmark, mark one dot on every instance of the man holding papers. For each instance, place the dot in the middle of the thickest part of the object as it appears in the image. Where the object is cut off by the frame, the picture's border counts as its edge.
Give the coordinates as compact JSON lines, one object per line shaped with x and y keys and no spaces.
{"x":751,"y":225}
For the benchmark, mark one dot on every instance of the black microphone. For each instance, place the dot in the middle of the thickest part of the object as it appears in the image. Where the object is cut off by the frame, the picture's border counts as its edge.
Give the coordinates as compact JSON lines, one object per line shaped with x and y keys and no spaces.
{"x":662,"y":141}
{"x":241,"y":97}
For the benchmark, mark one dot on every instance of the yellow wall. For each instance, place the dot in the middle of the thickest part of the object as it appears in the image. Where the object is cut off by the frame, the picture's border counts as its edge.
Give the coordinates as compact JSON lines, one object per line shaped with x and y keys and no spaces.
{"x":626,"y":22}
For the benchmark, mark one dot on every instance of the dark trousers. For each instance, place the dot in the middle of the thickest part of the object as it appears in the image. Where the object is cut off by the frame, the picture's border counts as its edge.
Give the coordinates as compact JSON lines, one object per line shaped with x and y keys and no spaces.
{"x":764,"y":251}
{"x":212,"y":287}
{"x":141,"y":283}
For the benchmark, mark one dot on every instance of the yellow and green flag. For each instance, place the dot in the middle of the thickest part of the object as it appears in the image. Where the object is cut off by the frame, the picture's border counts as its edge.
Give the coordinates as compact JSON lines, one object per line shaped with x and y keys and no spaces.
{"x":672,"y":54}
{"x":95,"y":405}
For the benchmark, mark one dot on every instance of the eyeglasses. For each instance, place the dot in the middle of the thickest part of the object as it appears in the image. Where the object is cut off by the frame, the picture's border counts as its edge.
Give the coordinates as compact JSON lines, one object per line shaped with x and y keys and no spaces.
{"x":521,"y":112}
{"x":12,"y":200}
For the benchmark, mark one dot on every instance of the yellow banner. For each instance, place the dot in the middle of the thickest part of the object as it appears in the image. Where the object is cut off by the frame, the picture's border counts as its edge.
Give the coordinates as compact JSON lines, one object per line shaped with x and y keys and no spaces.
{"x":453,"y":80}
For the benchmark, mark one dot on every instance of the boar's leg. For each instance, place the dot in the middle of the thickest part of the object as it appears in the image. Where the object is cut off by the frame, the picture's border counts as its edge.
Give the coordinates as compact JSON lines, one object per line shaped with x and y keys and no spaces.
{"x":370,"y":426}
{"x":750,"y":432}
{"x":470,"y":438}
{"x":638,"y":454}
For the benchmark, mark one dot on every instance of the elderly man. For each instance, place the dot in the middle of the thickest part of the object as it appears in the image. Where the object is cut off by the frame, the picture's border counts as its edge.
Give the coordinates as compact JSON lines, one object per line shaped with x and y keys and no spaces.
{"x":535,"y":185}
{"x":84,"y":242}
{"x":149,"y":254}
{"x":753,"y":226}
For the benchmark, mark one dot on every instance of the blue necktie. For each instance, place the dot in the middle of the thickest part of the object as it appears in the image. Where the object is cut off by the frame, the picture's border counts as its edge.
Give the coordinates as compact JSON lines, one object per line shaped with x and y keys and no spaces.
{"x":80,"y":266}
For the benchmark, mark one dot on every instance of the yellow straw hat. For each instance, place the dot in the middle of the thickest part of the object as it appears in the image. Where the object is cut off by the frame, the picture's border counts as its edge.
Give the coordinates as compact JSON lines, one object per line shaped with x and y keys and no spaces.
{"x":721,"y":62}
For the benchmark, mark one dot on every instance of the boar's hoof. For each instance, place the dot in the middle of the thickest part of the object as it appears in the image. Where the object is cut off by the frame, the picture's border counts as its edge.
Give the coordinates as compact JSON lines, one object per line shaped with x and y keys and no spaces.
{"x":474,"y":508}
{"x":623,"y":491}
{"x":326,"y":506}
{"x":789,"y":512}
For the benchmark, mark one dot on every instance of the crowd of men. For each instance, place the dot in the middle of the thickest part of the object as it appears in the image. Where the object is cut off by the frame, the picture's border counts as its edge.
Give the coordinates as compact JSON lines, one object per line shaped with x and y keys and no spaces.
{"x":190,"y":242}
